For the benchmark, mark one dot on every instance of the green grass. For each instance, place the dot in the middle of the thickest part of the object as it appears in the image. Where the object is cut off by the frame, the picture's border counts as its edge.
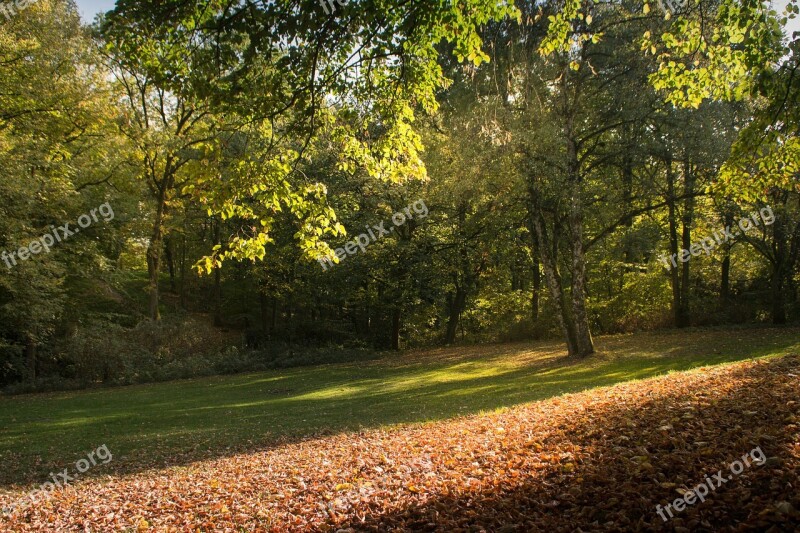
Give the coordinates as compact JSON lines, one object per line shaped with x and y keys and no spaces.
{"x":172,"y":423}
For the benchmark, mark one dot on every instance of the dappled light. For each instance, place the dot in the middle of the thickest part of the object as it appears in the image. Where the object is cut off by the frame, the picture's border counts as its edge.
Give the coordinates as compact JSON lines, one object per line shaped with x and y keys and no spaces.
{"x":259,"y":409}
{"x":468,"y":266}
{"x":605,"y":457}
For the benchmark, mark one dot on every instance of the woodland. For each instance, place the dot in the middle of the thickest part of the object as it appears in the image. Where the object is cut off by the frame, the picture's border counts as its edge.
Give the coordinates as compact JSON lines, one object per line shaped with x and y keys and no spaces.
{"x":404,"y":265}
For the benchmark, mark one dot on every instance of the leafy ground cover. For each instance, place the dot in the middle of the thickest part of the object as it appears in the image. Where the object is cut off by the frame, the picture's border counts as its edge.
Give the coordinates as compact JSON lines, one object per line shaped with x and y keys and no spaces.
{"x":600,"y":459}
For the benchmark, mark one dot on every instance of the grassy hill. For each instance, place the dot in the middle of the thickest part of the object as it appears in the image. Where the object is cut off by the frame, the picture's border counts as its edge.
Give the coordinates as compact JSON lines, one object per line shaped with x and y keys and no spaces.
{"x":288,"y":451}
{"x":175,"y":423}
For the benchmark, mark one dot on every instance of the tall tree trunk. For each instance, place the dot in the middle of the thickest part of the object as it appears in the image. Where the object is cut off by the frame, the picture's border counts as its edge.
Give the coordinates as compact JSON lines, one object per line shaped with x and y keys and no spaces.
{"x":537,"y":285}
{"x":725,"y":282}
{"x":725,"y":274}
{"x":684,"y":315}
{"x":367,"y":309}
{"x":779,"y":268}
{"x":627,"y":200}
{"x":547,"y":253}
{"x":674,"y":272}
{"x":584,"y":345}
{"x":456,"y":306}
{"x":778,"y":295}
{"x":183,"y":287}
{"x":154,"y":251}
{"x":583,"y":334}
{"x":464,"y":280}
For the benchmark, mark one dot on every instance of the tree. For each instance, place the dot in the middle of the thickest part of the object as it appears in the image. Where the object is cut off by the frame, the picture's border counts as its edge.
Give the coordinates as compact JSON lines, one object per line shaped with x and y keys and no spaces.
{"x":298,"y":74}
{"x":57,"y":142}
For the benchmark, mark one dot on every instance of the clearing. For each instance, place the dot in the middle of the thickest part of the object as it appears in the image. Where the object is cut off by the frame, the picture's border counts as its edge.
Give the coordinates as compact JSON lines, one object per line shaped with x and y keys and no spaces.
{"x":340,"y":446}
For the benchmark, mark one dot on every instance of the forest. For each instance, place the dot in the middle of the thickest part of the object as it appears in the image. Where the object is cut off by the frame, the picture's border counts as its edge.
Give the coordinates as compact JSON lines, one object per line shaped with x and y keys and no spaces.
{"x":330,"y":191}
{"x":564,"y":160}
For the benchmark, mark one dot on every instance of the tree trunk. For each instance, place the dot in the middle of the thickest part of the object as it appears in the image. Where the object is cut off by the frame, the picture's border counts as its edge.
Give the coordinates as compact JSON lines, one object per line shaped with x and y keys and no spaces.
{"x":367,"y":310}
{"x":183,"y":288}
{"x":684,"y":314}
{"x":537,"y":286}
{"x":553,"y":278}
{"x":154,"y":251}
{"x":584,"y":345}
{"x":725,"y":282}
{"x":456,"y":308}
{"x":627,"y":200}
{"x":779,"y":269}
{"x":675,"y":279}
{"x":725,"y":274}
{"x":583,"y":334}
{"x":464,"y":281}
{"x":778,"y":296}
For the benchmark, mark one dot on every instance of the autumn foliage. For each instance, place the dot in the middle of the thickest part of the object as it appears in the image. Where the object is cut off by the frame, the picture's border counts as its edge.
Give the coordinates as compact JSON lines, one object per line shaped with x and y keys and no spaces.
{"x":598,"y":460}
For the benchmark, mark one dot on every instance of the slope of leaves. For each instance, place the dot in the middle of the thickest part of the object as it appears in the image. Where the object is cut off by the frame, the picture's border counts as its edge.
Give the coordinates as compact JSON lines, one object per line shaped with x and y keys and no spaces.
{"x":599,"y":460}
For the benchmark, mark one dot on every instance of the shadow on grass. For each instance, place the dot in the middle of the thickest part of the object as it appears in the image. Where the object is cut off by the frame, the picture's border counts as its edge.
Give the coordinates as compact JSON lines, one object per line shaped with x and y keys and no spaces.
{"x":156,"y":426}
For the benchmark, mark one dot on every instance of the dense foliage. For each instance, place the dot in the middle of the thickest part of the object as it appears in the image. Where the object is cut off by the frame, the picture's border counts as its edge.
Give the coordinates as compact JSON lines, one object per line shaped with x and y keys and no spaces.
{"x":536,"y":170}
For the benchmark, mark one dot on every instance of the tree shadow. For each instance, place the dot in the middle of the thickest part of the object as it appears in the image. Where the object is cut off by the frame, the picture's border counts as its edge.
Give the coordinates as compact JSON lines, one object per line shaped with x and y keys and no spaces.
{"x":624,"y":460}
{"x":152,"y":427}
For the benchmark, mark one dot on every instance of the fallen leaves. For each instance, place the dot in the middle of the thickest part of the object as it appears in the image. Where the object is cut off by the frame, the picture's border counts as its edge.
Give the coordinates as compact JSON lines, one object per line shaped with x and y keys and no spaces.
{"x":599,"y":460}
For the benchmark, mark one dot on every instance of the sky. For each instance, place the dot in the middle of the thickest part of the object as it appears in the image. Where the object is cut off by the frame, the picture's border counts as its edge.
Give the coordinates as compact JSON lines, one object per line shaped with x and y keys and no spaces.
{"x":89,"y":8}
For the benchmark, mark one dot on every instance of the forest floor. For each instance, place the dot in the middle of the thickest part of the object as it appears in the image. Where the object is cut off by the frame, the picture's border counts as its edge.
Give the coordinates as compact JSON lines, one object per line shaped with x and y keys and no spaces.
{"x":495,"y":438}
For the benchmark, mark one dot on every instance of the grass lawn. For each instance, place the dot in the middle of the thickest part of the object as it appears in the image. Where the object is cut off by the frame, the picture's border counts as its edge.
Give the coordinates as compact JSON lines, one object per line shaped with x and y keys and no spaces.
{"x":175,"y":423}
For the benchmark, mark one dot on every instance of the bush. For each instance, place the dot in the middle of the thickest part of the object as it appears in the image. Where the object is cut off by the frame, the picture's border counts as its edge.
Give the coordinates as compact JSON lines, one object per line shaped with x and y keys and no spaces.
{"x":100,"y":352}
{"x":643,"y":303}
{"x":12,"y":363}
